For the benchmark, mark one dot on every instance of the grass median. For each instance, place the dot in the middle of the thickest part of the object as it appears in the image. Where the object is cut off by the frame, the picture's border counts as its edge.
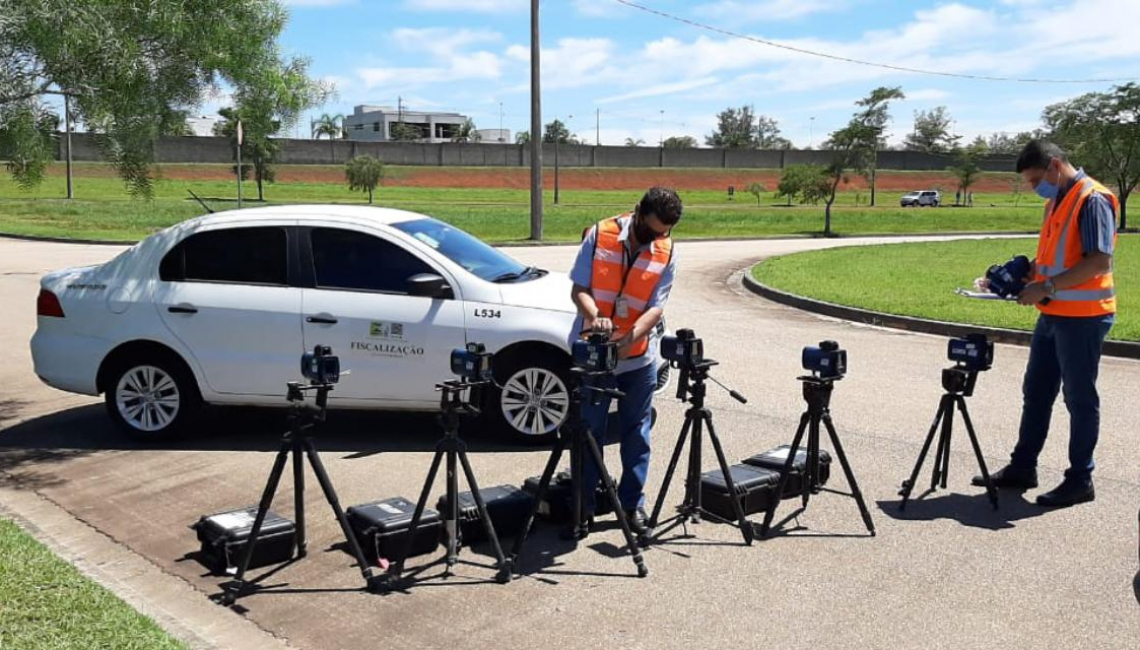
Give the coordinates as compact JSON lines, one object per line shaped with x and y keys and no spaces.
{"x":919,"y":280}
{"x":103,"y":211}
{"x":46,"y":603}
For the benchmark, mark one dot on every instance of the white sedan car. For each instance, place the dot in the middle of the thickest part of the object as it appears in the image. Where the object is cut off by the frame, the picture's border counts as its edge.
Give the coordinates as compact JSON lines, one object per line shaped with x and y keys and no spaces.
{"x":219,"y":309}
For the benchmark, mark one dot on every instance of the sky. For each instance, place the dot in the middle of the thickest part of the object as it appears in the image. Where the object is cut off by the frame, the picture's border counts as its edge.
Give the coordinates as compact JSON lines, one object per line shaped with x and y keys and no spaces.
{"x":645,"y":77}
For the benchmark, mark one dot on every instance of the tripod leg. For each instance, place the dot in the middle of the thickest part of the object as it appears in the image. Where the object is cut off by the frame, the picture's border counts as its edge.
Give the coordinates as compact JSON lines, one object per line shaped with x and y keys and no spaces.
{"x":948,"y":423}
{"x":908,"y":485}
{"x":398,"y":566}
{"x":693,"y":482}
{"x":611,"y":489}
{"x":334,"y":502}
{"x":990,"y":490}
{"x":543,"y":486}
{"x":784,"y":474}
{"x":812,"y":447}
{"x":741,"y":519}
{"x":504,"y":567}
{"x":669,"y":472}
{"x":849,"y":474}
{"x":452,"y":525}
{"x":299,"y":496}
{"x":943,"y":448}
{"x":234,"y":591}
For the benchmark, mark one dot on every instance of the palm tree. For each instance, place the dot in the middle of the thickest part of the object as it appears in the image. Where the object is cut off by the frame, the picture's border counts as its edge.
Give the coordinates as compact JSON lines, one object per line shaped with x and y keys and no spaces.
{"x":630,"y":142}
{"x":467,"y":132}
{"x":332,"y":126}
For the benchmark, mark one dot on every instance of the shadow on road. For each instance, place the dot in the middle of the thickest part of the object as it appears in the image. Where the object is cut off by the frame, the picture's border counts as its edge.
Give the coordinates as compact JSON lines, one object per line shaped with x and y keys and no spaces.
{"x":1136,"y":587}
{"x":973,"y":510}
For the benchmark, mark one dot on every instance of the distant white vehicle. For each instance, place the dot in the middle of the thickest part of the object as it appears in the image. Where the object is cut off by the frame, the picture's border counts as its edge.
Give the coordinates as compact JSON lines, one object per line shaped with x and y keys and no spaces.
{"x":919,"y":199}
{"x":219,"y":309}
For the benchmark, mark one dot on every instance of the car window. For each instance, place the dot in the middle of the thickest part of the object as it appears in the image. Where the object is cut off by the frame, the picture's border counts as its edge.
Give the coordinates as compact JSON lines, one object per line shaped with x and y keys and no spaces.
{"x":472,"y":254}
{"x":237,"y":255}
{"x":347,"y":259}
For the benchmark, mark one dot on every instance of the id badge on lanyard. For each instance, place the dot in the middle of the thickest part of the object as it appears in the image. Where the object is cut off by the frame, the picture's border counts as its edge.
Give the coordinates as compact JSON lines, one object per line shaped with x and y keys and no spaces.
{"x":621,"y":308}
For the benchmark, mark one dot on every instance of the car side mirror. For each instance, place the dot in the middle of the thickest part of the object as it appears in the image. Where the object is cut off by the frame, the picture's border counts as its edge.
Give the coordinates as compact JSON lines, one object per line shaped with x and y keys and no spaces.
{"x":429,"y":285}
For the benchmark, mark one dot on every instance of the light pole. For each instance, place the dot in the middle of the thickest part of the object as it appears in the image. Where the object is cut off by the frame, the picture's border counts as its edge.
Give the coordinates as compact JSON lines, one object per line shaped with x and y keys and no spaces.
{"x":501,"y":138}
{"x":811,"y":132}
{"x":661,"y":132}
{"x":535,"y":128}
{"x":67,"y":133}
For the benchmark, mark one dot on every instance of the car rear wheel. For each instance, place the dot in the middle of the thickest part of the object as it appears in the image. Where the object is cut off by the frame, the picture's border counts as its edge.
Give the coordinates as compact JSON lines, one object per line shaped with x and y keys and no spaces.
{"x":531,"y":401}
{"x":151,"y":399}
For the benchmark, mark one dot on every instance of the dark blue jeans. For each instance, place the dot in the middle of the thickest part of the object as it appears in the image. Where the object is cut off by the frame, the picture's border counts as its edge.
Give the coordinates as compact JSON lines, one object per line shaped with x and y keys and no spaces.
{"x":635,"y":420}
{"x":1065,"y":352}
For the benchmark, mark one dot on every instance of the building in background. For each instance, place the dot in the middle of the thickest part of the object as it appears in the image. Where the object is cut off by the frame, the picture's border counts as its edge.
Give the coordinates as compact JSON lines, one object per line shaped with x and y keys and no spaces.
{"x":494,"y":136}
{"x":202,"y":125}
{"x":375,"y":123}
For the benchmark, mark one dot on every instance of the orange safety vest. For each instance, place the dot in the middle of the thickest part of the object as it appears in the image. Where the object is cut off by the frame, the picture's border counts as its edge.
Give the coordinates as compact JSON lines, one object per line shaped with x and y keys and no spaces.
{"x":611,"y":279}
{"x":1059,"y":249}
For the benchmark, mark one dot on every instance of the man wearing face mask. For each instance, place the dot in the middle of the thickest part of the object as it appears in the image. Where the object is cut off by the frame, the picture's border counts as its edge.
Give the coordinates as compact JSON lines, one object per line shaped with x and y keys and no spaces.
{"x":1072,"y":286}
{"x":622,"y":278}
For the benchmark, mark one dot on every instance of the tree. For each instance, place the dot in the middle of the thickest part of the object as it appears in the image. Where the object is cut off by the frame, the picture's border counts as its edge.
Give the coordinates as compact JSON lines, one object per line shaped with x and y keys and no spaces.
{"x":1016,"y":187}
{"x":1102,"y":133}
{"x":736,"y":129}
{"x":631,"y":142}
{"x":467,"y":132}
{"x":757,"y":189}
{"x":1009,"y":145}
{"x":768,"y":134}
{"x":966,"y":169}
{"x":522,"y":137}
{"x":808,"y":183}
{"x":556,"y":131}
{"x":855,"y":146}
{"x":931,"y":132}
{"x":364,"y":173}
{"x":404,"y":132}
{"x":27,"y":141}
{"x":132,"y":66}
{"x":257,"y":153}
{"x":329,"y":125}
{"x":680,"y":142}
{"x":265,"y":108}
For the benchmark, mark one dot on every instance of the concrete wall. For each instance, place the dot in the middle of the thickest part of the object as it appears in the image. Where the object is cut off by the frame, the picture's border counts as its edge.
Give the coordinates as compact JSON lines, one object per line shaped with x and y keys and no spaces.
{"x":337,"y":152}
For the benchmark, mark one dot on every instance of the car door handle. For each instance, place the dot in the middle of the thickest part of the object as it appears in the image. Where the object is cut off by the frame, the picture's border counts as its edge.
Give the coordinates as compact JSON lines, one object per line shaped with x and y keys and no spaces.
{"x":182,"y":309}
{"x":321,"y":319}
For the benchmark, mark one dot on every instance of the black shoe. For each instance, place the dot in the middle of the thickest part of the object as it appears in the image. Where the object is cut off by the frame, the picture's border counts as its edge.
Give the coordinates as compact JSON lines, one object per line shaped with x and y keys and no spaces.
{"x":1069,"y":493}
{"x":1010,"y":477}
{"x":638,"y":521}
{"x":575,"y":533}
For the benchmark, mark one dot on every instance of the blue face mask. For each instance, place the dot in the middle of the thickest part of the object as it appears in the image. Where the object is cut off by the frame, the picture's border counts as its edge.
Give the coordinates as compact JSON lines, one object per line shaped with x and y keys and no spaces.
{"x":1046,"y":190}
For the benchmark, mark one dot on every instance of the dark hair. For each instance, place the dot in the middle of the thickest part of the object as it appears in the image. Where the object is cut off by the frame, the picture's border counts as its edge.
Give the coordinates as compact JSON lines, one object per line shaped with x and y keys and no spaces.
{"x":1036,"y":154}
{"x":662,"y":202}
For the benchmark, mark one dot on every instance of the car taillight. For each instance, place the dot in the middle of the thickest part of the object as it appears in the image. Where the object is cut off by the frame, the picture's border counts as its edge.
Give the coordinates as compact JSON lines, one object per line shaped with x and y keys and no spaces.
{"x":47,"y":304}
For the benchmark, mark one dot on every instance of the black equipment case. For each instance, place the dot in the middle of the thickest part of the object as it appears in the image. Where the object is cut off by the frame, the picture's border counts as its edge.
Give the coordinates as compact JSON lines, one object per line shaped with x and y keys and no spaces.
{"x":381,"y":527}
{"x":224,"y":535}
{"x":507,"y":505}
{"x":774,"y":460}
{"x":755,"y":488}
{"x":559,"y":498}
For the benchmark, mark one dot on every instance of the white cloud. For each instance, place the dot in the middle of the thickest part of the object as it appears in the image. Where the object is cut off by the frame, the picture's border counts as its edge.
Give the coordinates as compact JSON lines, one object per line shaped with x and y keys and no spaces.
{"x":600,"y":8}
{"x":658,"y":90}
{"x":768,"y":10}
{"x":477,"y":6}
{"x":317,"y":3}
{"x":926,"y":95}
{"x":442,"y":42}
{"x":573,"y":62}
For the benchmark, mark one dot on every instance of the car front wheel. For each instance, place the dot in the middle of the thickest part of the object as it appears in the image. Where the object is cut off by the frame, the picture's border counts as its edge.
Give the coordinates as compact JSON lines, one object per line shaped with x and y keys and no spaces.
{"x":531,"y":400}
{"x":150,"y":399}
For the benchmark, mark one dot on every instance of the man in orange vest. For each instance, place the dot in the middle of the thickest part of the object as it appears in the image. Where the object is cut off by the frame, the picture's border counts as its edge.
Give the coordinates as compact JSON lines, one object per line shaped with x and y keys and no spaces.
{"x":1072,"y":287}
{"x":622,"y":278}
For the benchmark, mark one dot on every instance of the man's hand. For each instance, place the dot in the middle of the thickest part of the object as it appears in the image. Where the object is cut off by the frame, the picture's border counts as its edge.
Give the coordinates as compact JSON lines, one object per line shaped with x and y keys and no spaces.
{"x":625,"y":345}
{"x":599,"y":325}
{"x":1033,"y":293}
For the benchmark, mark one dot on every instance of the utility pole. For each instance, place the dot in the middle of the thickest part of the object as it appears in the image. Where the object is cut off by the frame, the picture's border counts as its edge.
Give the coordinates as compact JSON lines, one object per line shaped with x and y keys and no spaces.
{"x":501,"y":138}
{"x":661,"y":133}
{"x":557,"y":143}
{"x":597,"y":127}
{"x":67,"y":132}
{"x":811,"y":132}
{"x":535,"y":128}
{"x":239,"y":168}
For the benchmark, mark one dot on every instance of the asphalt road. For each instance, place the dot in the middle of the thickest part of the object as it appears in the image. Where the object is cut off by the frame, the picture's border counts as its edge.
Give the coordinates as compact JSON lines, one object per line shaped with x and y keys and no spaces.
{"x":951,"y":573}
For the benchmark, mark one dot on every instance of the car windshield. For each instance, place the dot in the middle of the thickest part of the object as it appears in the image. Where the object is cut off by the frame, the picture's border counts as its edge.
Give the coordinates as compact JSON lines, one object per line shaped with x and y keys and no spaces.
{"x":913,"y":194}
{"x":472,"y":254}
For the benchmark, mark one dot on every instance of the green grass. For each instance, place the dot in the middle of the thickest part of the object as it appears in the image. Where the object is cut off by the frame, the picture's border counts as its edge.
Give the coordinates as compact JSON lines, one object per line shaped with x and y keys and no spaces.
{"x":919,"y":280}
{"x":46,"y":604}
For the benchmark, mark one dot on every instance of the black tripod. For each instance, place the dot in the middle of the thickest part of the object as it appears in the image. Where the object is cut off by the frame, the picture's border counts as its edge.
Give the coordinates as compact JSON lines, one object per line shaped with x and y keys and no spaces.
{"x":692,"y":388}
{"x":817,"y":393}
{"x":959,"y":384}
{"x":575,"y":435}
{"x":454,"y":404}
{"x":298,"y":442}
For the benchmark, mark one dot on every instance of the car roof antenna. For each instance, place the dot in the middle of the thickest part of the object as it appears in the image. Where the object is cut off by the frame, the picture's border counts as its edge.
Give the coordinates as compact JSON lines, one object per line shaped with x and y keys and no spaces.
{"x":200,"y":201}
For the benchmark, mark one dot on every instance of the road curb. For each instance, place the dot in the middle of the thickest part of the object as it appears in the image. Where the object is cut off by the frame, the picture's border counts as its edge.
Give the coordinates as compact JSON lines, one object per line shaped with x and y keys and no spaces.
{"x":1122,"y":349}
